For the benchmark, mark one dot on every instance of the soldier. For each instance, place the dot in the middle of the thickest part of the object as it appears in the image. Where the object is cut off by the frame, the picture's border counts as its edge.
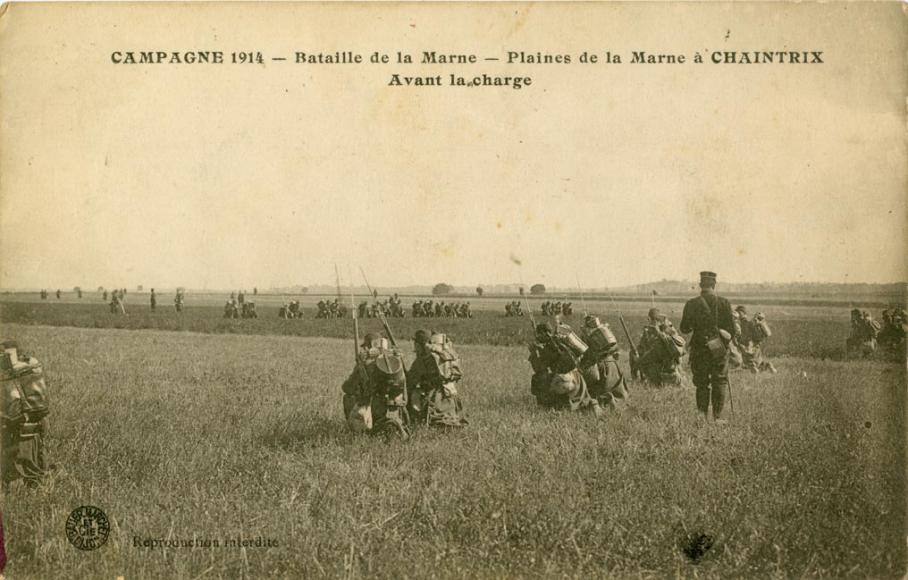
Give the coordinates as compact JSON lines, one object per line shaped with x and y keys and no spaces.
{"x":709,"y":318}
{"x":375,"y":393}
{"x":599,"y":362}
{"x":892,"y":335}
{"x":740,"y":348}
{"x":760,"y":331}
{"x":58,"y":293}
{"x":660,"y":350}
{"x":864,"y":331}
{"x":432,"y":382}
{"x":557,"y":383}
{"x":439,"y":309}
{"x":24,"y":417}
{"x":241,"y":298}
{"x":178,"y":301}
{"x":116,"y":304}
{"x":103,"y":296}
{"x":153,"y":299}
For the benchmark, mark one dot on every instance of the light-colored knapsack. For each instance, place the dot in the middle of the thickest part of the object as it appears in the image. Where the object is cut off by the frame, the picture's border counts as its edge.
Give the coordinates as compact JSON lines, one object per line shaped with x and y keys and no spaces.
{"x":24,"y":392}
{"x":446,"y":359}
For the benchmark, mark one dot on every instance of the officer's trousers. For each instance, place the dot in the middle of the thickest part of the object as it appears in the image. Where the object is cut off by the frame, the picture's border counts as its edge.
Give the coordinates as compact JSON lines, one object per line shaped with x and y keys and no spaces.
{"x":710,"y":376}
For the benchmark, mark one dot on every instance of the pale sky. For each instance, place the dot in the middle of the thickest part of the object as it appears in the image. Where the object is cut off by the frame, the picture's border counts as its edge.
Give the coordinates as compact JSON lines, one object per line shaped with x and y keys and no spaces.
{"x":234,"y":176}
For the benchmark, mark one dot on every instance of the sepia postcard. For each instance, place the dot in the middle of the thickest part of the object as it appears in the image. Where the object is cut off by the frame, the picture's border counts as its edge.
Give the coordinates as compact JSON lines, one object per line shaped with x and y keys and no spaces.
{"x":489,"y":290}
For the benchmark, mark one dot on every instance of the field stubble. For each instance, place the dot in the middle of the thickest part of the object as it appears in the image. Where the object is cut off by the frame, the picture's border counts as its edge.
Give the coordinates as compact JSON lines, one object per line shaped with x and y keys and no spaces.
{"x":181,"y":436}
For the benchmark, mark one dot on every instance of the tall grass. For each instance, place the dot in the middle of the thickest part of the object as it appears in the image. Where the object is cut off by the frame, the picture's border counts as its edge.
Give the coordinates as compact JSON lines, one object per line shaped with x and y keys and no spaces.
{"x":182,"y":436}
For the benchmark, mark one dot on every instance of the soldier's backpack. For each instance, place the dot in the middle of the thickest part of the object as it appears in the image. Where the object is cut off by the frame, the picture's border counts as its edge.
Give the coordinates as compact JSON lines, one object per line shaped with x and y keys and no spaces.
{"x":761,"y":330}
{"x":674,"y":344}
{"x":568,"y":339}
{"x":445,"y":357}
{"x":599,"y":336}
{"x":24,"y":391}
{"x":388,"y":377}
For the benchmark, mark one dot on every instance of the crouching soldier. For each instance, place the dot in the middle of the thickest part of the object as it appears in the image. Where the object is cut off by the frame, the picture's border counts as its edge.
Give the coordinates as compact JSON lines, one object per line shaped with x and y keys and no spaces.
{"x":759,"y":334}
{"x":24,"y":419}
{"x":660,"y":350}
{"x":249,"y":310}
{"x":375,"y":394}
{"x":864,"y":331}
{"x":599,"y":363}
{"x":557,"y":383}
{"x":432,"y":382}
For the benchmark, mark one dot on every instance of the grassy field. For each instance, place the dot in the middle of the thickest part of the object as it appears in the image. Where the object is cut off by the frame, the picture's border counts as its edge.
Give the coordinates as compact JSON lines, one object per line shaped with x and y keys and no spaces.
{"x":182,"y":436}
{"x":817,"y":332}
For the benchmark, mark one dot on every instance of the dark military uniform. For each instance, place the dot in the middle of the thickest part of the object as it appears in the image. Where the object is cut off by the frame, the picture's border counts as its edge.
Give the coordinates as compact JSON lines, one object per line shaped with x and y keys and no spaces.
{"x":432,"y":382}
{"x":377,"y":386}
{"x":557,"y":383}
{"x":705,"y":316}
{"x":24,"y":418}
{"x":659,"y":352}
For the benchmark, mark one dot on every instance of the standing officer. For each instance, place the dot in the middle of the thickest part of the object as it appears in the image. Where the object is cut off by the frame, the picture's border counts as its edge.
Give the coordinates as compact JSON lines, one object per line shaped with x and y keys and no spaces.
{"x":709,"y":318}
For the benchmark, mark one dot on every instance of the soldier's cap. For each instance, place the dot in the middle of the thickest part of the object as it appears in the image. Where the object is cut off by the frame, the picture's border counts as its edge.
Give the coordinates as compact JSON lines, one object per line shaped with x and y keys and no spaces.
{"x":591,"y":320}
{"x":759,"y":316}
{"x":741,"y":308}
{"x":707,"y":276}
{"x":654,"y":313}
{"x":421,"y":337}
{"x":369,"y":339}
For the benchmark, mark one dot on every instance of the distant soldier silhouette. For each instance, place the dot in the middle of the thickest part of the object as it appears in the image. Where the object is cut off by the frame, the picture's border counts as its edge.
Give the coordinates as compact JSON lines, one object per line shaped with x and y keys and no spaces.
{"x":153,"y":299}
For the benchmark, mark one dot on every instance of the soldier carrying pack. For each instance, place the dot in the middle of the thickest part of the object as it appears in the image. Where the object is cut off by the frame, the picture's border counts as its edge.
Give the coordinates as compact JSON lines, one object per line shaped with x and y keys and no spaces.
{"x":25,"y":408}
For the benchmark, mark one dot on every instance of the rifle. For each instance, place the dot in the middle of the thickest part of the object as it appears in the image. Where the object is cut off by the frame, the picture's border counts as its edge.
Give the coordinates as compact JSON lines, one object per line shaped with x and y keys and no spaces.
{"x":360,"y":367}
{"x":405,"y":396}
{"x":381,"y":315}
{"x":628,"y":335}
{"x":582,"y":299}
{"x":624,"y":326}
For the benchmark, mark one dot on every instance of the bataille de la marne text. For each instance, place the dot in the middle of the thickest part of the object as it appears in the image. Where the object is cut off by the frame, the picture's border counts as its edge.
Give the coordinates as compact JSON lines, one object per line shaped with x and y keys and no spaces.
{"x":428,"y":58}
